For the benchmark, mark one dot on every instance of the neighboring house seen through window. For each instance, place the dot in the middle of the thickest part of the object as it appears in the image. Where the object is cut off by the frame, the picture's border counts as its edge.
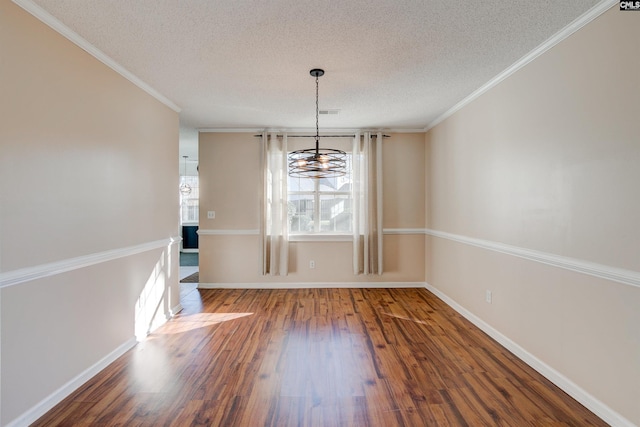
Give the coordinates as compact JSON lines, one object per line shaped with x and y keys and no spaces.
{"x":321,"y":206}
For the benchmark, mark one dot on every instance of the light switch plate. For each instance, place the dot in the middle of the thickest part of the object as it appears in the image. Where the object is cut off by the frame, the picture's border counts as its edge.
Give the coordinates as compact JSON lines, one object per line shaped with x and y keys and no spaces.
{"x":211,"y":214}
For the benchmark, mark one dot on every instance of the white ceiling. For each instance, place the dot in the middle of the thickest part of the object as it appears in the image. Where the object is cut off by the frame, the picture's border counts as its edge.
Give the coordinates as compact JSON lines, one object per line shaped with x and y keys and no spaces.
{"x":397,"y":64}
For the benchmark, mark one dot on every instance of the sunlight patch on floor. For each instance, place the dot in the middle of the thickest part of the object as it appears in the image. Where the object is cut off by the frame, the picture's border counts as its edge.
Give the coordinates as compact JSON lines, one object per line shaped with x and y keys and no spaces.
{"x":181,"y":324}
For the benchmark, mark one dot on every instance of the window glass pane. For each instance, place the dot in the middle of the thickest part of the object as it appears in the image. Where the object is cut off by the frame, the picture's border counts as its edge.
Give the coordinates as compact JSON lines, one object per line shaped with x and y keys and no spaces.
{"x":320,"y":205}
{"x":300,"y":213}
{"x":300,"y":184}
{"x":189,"y":202}
{"x":328,"y":184}
{"x":335,"y":214}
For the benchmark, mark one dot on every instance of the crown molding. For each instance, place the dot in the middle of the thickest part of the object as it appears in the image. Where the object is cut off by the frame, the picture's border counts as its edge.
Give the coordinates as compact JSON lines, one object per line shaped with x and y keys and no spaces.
{"x":574,"y":26}
{"x":310,"y":131}
{"x":405,"y":130}
{"x":79,"y":41}
{"x":229,"y":130}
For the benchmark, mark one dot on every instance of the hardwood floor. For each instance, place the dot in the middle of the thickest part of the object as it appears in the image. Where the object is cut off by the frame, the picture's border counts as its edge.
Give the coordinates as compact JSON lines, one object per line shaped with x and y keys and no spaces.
{"x":318,"y":357}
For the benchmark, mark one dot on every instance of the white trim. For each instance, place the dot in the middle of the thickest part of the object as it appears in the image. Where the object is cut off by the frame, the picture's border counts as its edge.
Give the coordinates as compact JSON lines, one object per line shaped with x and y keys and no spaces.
{"x":251,"y":232}
{"x":594,"y":405}
{"x":574,"y":26}
{"x":57,"y":396}
{"x":404,"y":231}
{"x":307,"y":237}
{"x":405,"y":130}
{"x":175,"y":310}
{"x":310,"y":285}
{"x":230,"y":130}
{"x":28,"y":274}
{"x":320,"y":237}
{"x":627,"y":277}
{"x":310,"y":131}
{"x":75,"y":38}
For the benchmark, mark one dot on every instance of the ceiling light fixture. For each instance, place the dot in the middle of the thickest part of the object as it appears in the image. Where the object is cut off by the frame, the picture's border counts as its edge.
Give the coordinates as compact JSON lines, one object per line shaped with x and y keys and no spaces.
{"x":185,"y":189}
{"x":317,"y":162}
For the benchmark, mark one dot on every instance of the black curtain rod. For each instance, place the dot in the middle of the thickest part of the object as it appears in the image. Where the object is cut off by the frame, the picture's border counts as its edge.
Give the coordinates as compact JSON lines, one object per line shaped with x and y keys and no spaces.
{"x":323,"y":136}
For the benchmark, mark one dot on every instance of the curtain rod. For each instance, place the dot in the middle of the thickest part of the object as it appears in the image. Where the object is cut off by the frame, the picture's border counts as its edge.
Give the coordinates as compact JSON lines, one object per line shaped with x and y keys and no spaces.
{"x":323,"y":136}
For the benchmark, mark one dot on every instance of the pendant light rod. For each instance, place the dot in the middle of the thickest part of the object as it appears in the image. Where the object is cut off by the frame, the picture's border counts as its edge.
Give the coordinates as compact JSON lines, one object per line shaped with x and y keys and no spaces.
{"x":317,"y":162}
{"x":317,"y":73}
{"x":185,"y":189}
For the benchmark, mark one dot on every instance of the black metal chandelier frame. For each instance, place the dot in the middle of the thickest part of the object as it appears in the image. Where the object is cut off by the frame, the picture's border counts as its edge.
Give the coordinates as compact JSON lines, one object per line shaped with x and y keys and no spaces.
{"x":317,"y":162}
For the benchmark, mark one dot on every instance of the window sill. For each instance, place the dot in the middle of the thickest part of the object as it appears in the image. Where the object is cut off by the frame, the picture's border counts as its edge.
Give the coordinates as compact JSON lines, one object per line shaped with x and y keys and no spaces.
{"x":320,"y":237}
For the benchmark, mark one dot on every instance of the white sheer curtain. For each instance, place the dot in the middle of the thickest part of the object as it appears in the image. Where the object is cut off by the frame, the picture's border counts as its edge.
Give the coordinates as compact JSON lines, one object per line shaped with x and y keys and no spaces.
{"x":367,"y":201}
{"x":274,"y":225}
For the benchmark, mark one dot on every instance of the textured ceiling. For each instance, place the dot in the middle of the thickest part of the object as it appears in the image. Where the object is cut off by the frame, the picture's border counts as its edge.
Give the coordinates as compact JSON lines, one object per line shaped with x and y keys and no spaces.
{"x":245,"y":63}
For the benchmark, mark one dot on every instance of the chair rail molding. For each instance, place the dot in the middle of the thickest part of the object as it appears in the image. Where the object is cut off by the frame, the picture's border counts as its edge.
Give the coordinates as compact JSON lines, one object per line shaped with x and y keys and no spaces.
{"x":226,"y":232}
{"x":620,"y":275}
{"x":28,"y":274}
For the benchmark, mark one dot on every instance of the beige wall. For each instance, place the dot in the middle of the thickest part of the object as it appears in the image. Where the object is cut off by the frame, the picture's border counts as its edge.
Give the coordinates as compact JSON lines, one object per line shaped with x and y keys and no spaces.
{"x":230,"y":185}
{"x":549,"y":161}
{"x":88,"y":166}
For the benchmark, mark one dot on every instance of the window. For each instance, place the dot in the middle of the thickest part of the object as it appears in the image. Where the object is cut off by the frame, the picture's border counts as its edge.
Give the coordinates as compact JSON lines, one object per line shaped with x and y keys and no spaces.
{"x":189,"y":204}
{"x":320,"y":206}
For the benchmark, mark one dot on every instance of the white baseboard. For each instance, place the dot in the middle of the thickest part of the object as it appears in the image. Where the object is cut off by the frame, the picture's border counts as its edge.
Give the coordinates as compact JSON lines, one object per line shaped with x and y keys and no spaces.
{"x":175,"y":310}
{"x":57,"y":396}
{"x":587,"y":400}
{"x":310,"y":285}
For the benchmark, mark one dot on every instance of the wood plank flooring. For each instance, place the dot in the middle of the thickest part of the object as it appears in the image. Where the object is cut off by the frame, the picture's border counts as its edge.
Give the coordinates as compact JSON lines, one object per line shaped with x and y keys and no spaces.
{"x":318,"y":357}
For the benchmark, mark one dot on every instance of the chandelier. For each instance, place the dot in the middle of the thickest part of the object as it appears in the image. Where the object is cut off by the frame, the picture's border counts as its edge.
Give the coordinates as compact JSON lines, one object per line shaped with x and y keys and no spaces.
{"x":185,"y":189}
{"x":317,"y":162}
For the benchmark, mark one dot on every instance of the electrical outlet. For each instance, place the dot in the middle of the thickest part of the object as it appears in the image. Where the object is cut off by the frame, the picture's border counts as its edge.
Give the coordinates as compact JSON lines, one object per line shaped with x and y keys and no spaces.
{"x":488,"y":296}
{"x":211,"y":214}
{"x":312,"y":264}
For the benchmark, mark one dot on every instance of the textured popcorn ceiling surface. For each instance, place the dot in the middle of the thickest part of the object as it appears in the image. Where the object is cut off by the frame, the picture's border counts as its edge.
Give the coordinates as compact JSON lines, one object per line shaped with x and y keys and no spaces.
{"x":245,"y":63}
